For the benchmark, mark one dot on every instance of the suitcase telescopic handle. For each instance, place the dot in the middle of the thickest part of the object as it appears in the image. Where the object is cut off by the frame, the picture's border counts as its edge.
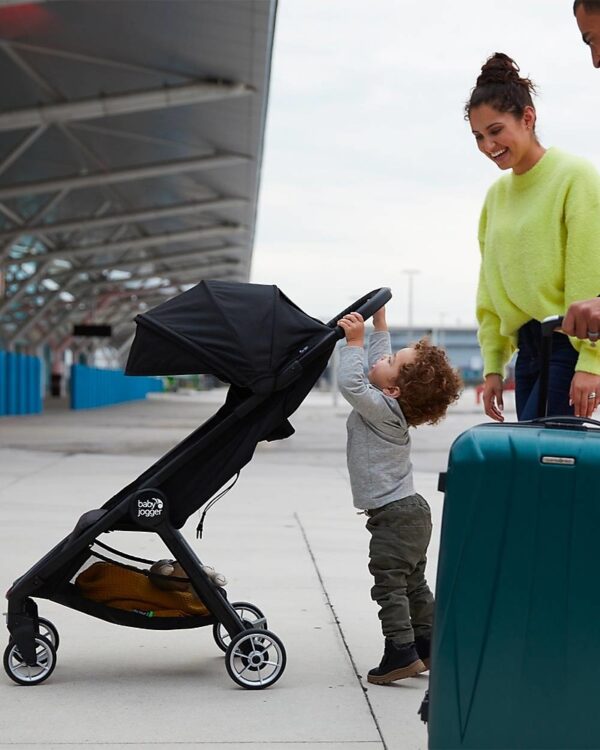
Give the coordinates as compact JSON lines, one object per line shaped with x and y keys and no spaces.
{"x":549,"y":326}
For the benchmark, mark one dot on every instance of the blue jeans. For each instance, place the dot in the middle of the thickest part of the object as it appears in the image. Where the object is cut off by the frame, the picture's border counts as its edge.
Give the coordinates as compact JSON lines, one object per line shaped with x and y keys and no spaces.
{"x":527,"y":372}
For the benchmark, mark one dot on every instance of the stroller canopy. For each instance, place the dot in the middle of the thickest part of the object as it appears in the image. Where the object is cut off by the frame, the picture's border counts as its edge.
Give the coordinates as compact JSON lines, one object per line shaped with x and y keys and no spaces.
{"x":241,"y":333}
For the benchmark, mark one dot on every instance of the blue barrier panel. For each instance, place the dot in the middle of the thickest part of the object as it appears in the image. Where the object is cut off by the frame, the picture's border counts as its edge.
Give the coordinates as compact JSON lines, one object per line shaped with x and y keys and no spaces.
{"x":92,"y":387}
{"x":20,"y":384}
{"x":11,"y":383}
{"x":26,"y":385}
{"x":3,"y":385}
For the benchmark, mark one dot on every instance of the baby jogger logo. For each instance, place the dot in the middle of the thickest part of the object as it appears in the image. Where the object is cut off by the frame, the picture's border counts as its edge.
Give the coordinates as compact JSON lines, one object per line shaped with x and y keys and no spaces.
{"x":148,"y":508}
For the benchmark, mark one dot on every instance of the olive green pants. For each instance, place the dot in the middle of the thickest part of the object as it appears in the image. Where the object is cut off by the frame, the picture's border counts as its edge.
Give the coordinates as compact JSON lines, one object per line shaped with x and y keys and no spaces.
{"x":400,"y":534}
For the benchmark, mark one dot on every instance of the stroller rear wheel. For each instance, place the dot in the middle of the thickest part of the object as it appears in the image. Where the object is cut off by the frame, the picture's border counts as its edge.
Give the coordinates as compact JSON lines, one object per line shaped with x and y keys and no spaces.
{"x":255,"y":659}
{"x":24,"y":674}
{"x":249,"y":614}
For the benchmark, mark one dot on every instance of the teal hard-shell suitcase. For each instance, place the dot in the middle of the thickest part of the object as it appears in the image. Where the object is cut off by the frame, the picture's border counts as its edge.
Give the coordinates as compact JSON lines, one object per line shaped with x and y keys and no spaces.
{"x":516,"y":641}
{"x":516,"y":645}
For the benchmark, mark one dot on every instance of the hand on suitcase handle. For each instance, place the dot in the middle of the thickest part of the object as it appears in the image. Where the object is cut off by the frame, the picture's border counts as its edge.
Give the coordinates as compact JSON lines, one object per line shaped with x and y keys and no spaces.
{"x":554,"y":323}
{"x":582,"y":319}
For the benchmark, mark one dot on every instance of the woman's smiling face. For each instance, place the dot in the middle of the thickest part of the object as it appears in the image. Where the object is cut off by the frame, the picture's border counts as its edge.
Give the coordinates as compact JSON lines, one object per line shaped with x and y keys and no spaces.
{"x":505,"y":139}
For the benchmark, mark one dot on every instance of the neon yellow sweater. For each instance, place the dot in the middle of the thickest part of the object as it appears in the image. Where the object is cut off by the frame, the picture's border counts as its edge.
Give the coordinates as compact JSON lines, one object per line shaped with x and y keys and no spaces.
{"x":539,"y":235}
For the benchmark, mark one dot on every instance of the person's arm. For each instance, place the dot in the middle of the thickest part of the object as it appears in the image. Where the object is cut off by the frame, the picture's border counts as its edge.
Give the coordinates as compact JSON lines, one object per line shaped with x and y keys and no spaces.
{"x":379,"y":321}
{"x":380,"y":344}
{"x":493,"y":358}
{"x":582,"y":252}
{"x":582,"y":279}
{"x":369,"y":402}
{"x":496,"y":349}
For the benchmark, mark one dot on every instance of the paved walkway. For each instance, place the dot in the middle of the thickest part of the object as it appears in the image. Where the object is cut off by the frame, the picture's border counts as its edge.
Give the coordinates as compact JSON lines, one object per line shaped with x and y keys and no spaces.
{"x":286,"y":537}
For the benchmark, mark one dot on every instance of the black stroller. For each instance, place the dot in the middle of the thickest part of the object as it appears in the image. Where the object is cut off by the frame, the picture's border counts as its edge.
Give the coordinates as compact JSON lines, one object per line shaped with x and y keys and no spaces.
{"x":253,"y":337}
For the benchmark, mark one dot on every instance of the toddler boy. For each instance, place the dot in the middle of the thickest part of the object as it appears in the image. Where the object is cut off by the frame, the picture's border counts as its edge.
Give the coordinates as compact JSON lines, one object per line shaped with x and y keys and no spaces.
{"x":411,"y":387}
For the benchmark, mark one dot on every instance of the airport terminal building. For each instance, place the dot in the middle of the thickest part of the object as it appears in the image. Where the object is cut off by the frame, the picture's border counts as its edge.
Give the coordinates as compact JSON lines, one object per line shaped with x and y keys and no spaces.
{"x":130,"y":165}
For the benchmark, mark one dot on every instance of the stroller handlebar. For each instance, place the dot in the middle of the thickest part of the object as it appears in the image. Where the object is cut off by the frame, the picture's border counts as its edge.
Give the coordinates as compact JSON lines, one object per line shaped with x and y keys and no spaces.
{"x":366,"y":306}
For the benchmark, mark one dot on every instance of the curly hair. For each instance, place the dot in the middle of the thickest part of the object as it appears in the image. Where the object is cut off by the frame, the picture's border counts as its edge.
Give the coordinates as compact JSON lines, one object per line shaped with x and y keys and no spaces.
{"x":428,"y":385}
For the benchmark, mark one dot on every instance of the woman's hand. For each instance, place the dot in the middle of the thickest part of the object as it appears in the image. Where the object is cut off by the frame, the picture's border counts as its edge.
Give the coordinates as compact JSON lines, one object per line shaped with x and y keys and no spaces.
{"x":585,"y":393}
{"x":353,"y":326}
{"x":583,"y":319}
{"x":492,"y":397}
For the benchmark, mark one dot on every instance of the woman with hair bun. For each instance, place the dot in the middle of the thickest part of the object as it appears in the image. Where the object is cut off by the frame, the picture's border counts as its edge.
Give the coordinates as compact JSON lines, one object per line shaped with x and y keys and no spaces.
{"x":539,"y":235}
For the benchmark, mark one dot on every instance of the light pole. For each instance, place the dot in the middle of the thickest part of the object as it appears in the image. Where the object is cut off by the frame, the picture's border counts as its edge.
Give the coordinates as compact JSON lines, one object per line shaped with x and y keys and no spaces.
{"x":441,"y":330}
{"x":411,"y":273}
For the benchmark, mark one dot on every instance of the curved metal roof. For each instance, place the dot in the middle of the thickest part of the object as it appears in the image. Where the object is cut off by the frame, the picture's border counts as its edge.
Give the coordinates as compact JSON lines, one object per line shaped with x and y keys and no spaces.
{"x":131,"y":138}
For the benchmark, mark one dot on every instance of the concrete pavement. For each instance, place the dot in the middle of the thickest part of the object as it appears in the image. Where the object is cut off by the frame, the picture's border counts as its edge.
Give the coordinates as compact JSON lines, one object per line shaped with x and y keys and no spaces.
{"x":287,"y":538}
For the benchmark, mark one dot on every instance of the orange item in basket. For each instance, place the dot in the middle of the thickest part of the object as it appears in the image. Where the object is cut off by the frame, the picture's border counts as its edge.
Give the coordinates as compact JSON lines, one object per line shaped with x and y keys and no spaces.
{"x":123,"y":588}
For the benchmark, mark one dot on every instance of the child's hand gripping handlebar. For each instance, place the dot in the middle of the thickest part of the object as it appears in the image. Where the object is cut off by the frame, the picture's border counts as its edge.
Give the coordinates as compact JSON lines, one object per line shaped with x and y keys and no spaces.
{"x":366,"y":306}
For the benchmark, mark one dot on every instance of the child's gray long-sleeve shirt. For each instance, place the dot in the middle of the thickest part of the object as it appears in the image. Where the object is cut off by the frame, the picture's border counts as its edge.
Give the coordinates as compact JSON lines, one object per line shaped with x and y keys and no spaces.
{"x":378,"y":449}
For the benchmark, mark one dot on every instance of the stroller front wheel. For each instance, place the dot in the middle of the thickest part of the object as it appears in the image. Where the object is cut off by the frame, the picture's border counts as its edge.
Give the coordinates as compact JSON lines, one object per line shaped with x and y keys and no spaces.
{"x":25,"y":674}
{"x":255,"y":659}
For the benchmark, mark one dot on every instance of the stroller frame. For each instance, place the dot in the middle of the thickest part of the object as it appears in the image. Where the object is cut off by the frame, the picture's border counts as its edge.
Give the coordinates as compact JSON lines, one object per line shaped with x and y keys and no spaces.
{"x":23,"y":621}
{"x":255,"y":657}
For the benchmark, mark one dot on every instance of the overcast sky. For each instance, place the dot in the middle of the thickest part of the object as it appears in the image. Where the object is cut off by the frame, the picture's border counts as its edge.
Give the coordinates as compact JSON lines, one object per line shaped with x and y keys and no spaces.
{"x":369,"y":167}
